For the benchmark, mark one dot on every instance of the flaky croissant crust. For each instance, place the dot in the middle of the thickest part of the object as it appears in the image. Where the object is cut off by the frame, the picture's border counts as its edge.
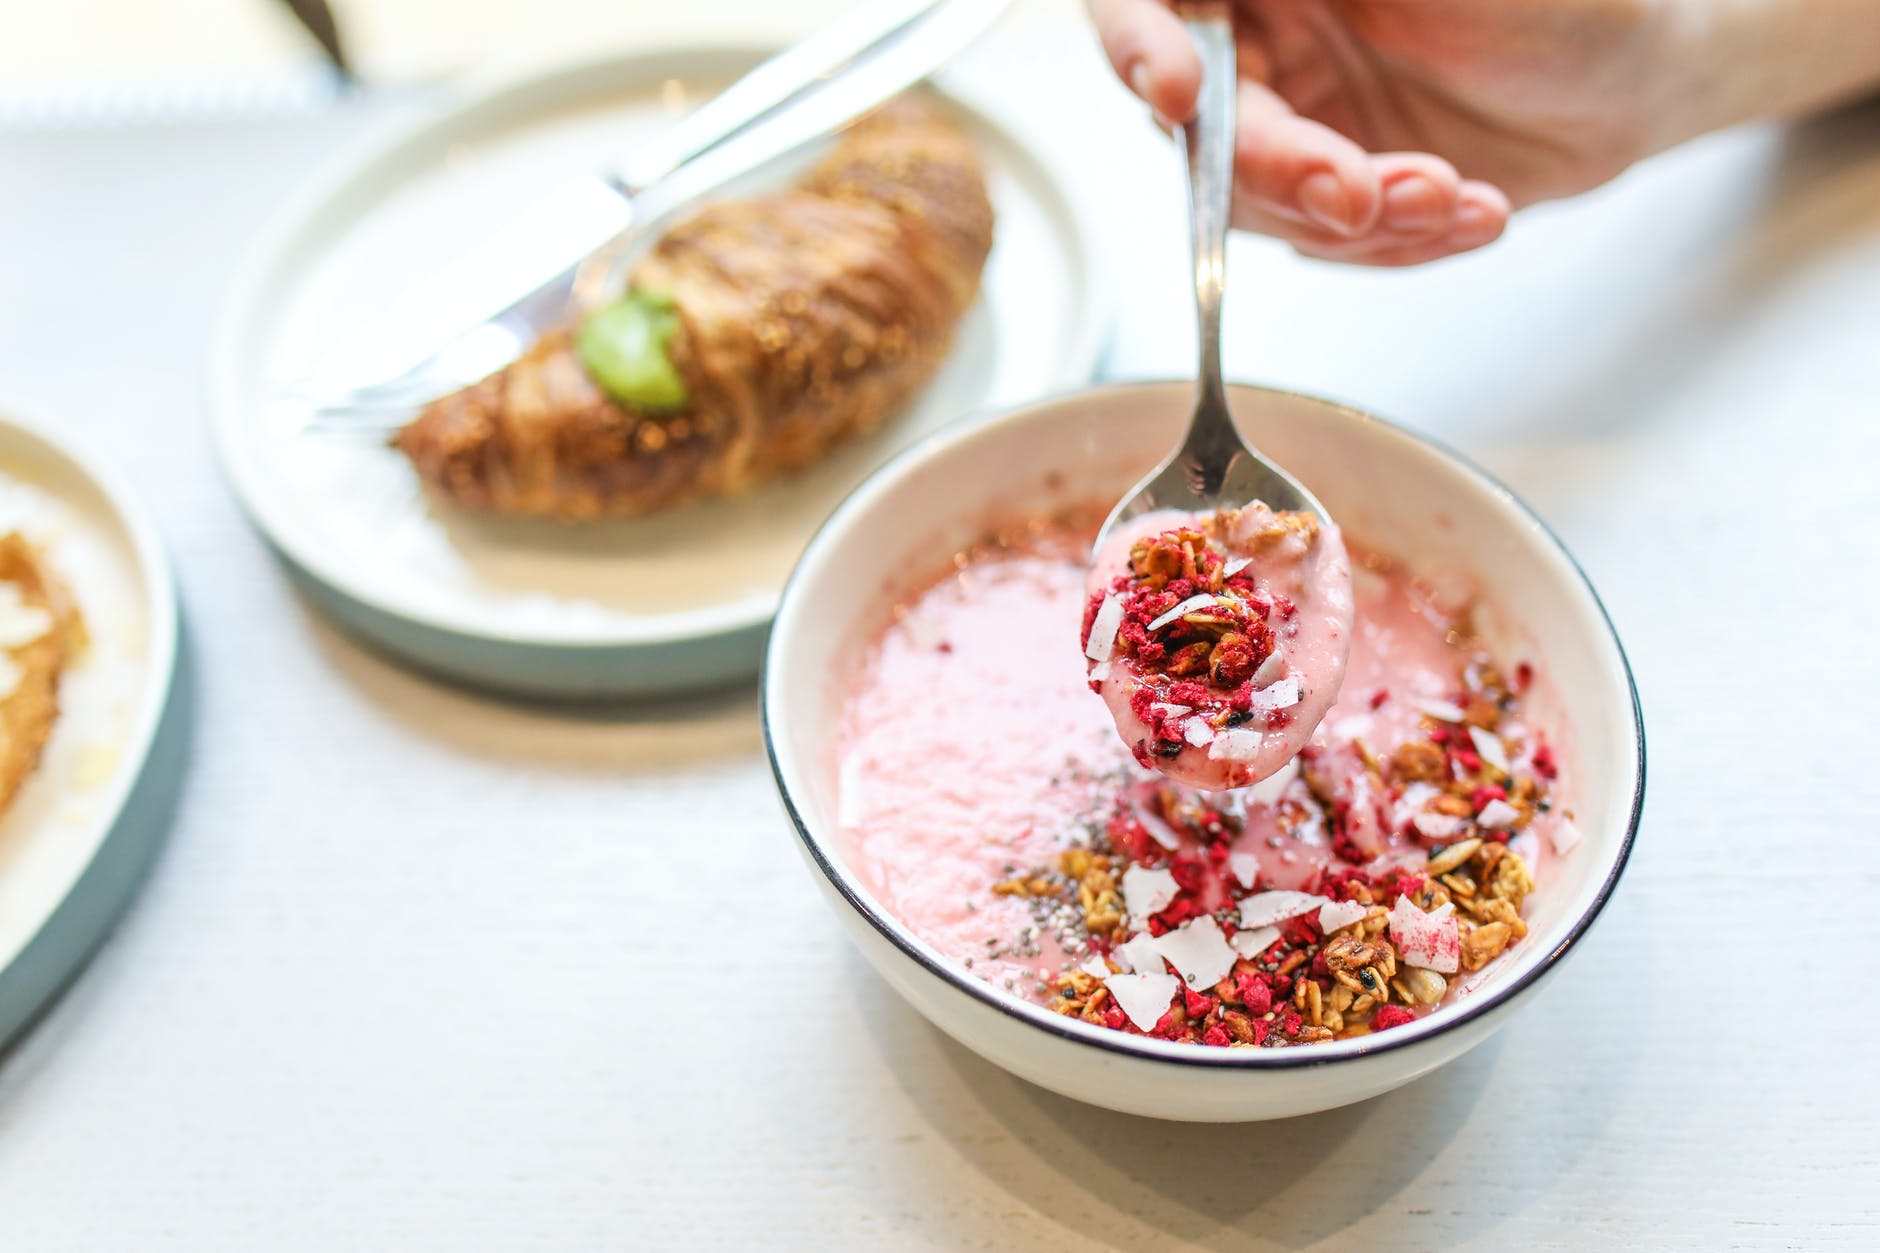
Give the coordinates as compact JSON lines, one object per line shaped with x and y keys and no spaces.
{"x":806,"y":318}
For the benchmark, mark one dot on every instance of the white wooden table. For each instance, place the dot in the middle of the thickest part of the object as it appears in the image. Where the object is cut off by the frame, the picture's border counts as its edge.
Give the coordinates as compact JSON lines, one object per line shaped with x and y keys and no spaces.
{"x":400,"y":978}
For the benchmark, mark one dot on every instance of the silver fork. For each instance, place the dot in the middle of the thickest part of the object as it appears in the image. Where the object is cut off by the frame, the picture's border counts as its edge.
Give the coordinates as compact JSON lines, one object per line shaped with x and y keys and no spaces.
{"x":1215,"y":467}
{"x":799,"y":95}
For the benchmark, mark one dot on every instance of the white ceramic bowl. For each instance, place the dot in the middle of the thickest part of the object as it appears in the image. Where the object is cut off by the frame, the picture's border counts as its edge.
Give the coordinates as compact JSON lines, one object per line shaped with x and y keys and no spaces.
{"x":1388,"y":488}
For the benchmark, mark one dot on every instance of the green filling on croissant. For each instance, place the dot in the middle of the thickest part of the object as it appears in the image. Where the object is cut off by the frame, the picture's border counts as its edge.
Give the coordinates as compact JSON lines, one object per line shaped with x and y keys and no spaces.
{"x":623,"y":349}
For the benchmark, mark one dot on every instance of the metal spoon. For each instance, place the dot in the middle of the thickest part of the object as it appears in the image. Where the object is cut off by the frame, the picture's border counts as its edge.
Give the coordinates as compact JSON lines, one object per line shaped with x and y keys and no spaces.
{"x":1214,"y":468}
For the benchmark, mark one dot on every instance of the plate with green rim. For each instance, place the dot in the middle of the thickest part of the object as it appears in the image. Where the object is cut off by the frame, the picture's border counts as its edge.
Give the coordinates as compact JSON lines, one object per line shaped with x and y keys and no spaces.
{"x":632,"y":607}
{"x":81,"y":831}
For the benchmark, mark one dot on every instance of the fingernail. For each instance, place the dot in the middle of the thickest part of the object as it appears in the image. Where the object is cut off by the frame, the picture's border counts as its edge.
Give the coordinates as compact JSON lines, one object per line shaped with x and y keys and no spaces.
{"x":1474,"y":222}
{"x":1139,"y":79}
{"x":1322,"y":198}
{"x":1412,"y":204}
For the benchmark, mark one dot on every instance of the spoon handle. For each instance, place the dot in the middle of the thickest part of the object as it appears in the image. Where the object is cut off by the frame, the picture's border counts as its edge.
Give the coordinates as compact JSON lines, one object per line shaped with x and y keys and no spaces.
{"x":1209,"y":138}
{"x":1214,"y":468}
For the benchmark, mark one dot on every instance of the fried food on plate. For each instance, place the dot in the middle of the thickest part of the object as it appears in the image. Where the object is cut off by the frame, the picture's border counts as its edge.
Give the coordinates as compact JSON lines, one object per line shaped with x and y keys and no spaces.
{"x":754,"y":336}
{"x":39,"y":633}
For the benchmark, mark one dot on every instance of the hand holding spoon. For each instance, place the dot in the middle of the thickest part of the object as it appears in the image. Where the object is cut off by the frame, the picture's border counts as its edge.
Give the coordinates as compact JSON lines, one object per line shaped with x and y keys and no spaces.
{"x":1220,"y":610}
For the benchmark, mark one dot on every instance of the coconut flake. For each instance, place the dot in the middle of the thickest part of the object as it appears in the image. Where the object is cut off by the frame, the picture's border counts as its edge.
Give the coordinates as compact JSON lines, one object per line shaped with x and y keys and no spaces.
{"x":1430,"y":940}
{"x":1236,"y":744}
{"x":1199,"y":951}
{"x":1492,"y":750}
{"x":1437,"y":826}
{"x":1095,"y":967}
{"x":1564,"y":835}
{"x":1103,"y":629}
{"x":1144,"y":998}
{"x":1269,"y":790}
{"x":1416,"y":796}
{"x":1335,"y":915}
{"x":1283,"y":694}
{"x":1198,"y":732}
{"x":1173,"y":711}
{"x":1263,"y":908}
{"x":1139,"y":955}
{"x":1161,"y":834}
{"x":1250,"y":944}
{"x":1245,"y":867}
{"x":1499,"y":815}
{"x":1440,"y":709}
{"x":1269,"y":670}
{"x":1199,"y":601}
{"x":1148,"y":891}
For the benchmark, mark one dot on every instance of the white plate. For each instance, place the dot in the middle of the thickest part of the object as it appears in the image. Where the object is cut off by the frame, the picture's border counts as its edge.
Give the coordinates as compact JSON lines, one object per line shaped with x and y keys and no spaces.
{"x":80,"y":832}
{"x":618,"y":608}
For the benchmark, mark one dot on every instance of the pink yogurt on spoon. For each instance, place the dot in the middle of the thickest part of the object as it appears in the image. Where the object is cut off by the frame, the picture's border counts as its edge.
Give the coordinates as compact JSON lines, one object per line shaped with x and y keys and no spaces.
{"x":1218,"y":641}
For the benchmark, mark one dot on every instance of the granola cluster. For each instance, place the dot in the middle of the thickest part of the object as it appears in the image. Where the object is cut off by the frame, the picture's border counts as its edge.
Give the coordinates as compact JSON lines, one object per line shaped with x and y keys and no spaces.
{"x":1376,"y":939}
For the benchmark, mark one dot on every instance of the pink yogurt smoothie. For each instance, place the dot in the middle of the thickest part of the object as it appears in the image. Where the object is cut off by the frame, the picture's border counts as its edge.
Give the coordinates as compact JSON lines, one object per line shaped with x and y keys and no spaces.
{"x":1245,"y":727}
{"x":973,"y":753}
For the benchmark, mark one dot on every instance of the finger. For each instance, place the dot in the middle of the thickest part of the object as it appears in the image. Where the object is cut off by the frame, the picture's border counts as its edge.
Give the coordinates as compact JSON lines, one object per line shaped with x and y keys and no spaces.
{"x":1151,"y":53}
{"x":1421,"y":252}
{"x":1261,"y":220}
{"x":1421,"y":193}
{"x":1293,"y":168}
{"x":1487,"y":204}
{"x":1480,"y":217}
{"x":1420,"y":197}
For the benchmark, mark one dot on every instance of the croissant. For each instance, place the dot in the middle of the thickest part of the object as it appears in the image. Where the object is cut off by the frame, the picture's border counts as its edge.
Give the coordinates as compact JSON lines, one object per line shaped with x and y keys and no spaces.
{"x":804,"y":318}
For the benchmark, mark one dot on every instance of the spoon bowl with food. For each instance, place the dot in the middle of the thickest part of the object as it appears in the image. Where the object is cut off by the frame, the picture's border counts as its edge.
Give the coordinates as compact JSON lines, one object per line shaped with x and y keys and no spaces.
{"x":1219,"y":614}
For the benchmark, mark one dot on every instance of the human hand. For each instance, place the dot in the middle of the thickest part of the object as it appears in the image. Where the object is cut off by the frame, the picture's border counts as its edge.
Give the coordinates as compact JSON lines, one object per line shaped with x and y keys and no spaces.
{"x":1392,"y":132}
